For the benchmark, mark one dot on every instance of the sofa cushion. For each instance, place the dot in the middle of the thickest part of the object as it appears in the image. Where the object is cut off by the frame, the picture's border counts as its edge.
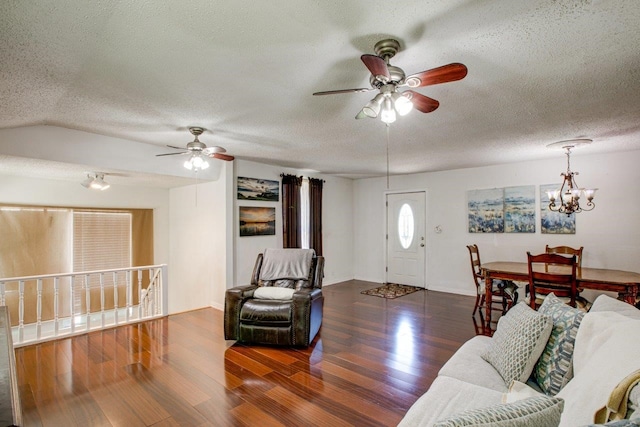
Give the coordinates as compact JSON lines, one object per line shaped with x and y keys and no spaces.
{"x":448,"y":396}
{"x":467,"y":365}
{"x":606,"y":303}
{"x":553,"y":370}
{"x":519,"y":391}
{"x":533,"y":411}
{"x":606,"y":352}
{"x":273,"y":292}
{"x":520,"y":338}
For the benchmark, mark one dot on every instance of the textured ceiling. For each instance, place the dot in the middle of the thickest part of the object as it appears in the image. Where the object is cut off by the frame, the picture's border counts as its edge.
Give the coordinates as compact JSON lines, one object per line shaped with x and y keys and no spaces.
{"x":540,"y":71}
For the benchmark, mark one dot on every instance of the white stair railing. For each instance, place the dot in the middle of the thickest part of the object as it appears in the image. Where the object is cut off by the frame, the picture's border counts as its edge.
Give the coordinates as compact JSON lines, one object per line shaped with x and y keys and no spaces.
{"x":51,"y":306}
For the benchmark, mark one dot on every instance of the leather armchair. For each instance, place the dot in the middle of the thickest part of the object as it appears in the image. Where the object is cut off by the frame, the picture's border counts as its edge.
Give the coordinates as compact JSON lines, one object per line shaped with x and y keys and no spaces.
{"x":291,"y":322}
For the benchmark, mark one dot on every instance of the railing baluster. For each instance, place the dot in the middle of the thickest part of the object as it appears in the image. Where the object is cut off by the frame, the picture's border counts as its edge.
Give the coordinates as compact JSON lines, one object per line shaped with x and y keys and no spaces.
{"x":87,"y":293}
{"x":154,"y":285}
{"x":72,"y":310}
{"x":38,"y":308}
{"x":102,"y":300}
{"x":150,"y":296}
{"x":56,"y":314}
{"x":115,"y":299}
{"x":139,"y":294}
{"x":21,"y":311}
{"x":127,"y":283}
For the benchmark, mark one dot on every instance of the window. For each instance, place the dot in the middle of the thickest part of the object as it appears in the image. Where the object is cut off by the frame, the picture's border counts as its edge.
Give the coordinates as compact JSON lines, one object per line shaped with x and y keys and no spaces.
{"x":101,"y":240}
{"x":50,"y":240}
{"x":305,"y":226}
{"x":405,"y":226}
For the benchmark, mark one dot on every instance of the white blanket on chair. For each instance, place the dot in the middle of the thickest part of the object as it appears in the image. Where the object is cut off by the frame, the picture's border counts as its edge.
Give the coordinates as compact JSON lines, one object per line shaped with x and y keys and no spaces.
{"x":286,"y":264}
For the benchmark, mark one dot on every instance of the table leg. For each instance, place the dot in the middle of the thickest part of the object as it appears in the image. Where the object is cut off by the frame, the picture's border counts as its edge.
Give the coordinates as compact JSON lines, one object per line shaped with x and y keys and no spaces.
{"x":487,"y":304}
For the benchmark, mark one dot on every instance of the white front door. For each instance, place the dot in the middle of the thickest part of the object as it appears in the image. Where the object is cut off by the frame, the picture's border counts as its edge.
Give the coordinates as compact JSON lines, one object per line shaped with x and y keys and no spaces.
{"x":406,"y":238}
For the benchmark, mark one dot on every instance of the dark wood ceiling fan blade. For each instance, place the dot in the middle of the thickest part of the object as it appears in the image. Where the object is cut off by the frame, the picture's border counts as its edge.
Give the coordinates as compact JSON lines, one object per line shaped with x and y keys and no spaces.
{"x":221,"y":156}
{"x":376,"y":66}
{"x":420,"y":102}
{"x":172,"y":154}
{"x":333,"y":92}
{"x":446,"y":73}
{"x":176,"y":148}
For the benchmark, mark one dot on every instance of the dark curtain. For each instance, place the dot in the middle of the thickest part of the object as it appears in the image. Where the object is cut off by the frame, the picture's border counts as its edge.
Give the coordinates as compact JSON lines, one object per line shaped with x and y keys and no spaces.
{"x":291,"y":237}
{"x":315,"y":214}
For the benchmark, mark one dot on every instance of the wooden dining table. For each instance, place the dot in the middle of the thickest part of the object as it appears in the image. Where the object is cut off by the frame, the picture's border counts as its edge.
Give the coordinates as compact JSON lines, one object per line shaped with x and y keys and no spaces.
{"x":625,"y":283}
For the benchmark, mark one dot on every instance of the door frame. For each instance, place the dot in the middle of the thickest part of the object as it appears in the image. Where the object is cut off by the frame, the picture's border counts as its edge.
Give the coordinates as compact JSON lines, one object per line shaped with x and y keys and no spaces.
{"x":385,"y":231}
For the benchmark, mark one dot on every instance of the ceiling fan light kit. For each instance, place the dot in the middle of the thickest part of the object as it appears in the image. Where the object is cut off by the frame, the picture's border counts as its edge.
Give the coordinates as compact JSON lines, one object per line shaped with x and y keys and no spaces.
{"x":95,"y":181}
{"x":198,"y":152}
{"x":196,"y":162}
{"x":387,"y":79}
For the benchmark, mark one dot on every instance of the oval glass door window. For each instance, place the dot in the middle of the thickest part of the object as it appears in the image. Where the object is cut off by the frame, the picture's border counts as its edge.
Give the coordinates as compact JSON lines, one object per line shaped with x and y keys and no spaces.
{"x":405,"y":226}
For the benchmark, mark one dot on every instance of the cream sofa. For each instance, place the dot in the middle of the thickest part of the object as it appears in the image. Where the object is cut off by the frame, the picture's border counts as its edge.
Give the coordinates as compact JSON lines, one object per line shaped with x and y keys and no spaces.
{"x":601,"y":353}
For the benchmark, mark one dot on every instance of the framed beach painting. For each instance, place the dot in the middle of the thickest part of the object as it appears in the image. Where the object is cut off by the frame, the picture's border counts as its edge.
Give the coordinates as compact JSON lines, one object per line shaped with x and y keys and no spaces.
{"x":554,"y":222}
{"x":258,"y":189}
{"x":520,"y":209}
{"x":486,"y":210}
{"x":257,"y":221}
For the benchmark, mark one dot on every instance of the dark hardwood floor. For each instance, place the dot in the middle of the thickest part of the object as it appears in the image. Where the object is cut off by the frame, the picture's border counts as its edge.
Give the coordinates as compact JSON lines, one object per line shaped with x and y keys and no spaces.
{"x":371,"y":360}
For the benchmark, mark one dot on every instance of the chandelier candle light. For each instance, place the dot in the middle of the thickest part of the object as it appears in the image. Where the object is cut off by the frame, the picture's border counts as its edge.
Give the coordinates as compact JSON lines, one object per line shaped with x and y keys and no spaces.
{"x":566,"y":199}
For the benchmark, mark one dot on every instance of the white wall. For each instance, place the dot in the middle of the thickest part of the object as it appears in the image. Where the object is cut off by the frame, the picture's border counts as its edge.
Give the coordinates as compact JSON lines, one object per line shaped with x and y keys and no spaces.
{"x":610,"y":234}
{"x":337,"y":224}
{"x":199,"y":219}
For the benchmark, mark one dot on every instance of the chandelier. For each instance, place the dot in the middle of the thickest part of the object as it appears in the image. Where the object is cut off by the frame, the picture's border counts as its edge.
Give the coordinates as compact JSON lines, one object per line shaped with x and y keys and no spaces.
{"x":566,"y":199}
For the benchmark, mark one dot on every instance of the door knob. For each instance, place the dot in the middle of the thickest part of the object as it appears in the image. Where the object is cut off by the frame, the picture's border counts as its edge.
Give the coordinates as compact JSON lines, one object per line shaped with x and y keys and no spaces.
{"x":422,"y":245}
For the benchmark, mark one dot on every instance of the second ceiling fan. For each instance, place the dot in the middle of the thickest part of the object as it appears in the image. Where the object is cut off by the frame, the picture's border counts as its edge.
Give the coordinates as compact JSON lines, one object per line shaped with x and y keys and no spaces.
{"x":388,"y":79}
{"x":198,"y":152}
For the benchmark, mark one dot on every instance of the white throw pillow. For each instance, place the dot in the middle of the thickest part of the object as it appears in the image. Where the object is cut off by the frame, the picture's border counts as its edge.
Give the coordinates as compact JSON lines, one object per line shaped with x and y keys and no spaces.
{"x":273,"y":292}
{"x":519,"y":340}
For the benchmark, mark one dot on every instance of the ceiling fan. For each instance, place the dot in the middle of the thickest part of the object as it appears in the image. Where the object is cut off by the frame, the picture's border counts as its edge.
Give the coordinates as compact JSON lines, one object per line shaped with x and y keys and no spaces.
{"x":388,"y":79}
{"x":198,"y":152}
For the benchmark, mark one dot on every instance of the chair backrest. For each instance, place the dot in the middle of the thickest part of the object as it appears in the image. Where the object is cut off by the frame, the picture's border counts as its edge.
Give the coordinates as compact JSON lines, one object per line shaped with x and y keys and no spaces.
{"x":566,"y":250}
{"x":313,"y":280}
{"x":476,"y":266}
{"x":550,"y":272}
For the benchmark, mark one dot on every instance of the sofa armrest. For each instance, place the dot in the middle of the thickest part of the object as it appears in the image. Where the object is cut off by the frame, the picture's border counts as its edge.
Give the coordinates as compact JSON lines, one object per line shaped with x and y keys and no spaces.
{"x":233,"y":300}
{"x":319,"y":273}
{"x":306,"y":307}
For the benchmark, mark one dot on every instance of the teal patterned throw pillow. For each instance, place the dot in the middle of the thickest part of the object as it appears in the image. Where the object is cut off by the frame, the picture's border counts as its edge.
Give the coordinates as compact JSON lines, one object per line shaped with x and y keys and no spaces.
{"x":554,"y":368}
{"x":520,"y":338}
{"x":534,"y":411}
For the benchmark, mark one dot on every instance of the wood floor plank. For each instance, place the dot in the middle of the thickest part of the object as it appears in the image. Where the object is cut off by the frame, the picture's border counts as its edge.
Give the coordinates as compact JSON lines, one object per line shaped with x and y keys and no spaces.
{"x":307,"y":411}
{"x":249,"y":415}
{"x":370,"y":362}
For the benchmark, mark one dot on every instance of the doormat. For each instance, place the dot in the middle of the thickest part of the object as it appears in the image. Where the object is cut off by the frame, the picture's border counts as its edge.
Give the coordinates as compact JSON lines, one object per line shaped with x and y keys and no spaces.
{"x":391,"y":290}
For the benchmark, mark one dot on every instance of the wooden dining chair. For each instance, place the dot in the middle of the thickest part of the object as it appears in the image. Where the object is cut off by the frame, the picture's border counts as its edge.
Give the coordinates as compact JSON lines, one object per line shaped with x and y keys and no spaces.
{"x":503,"y":293}
{"x":552,"y":273}
{"x":566,"y":250}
